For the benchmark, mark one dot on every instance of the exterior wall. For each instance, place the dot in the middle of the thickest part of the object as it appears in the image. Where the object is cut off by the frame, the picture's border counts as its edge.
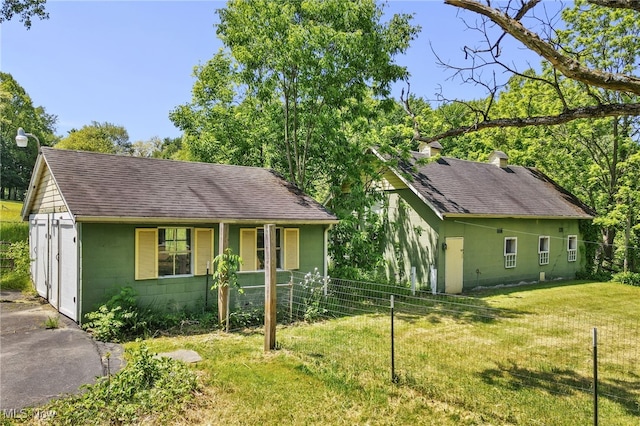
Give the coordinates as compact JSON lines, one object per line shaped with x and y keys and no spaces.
{"x":415,"y":237}
{"x":412,"y":238}
{"x":107,"y":263}
{"x":47,"y":198}
{"x":484,"y":262}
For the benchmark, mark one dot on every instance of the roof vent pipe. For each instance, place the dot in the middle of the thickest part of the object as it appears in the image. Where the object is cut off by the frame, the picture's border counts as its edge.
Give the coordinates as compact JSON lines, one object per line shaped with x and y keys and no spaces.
{"x":499,"y":158}
{"x":431,"y":149}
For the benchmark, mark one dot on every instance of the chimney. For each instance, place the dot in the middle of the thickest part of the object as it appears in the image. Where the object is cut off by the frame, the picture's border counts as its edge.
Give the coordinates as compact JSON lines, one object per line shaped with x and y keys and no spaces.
{"x":499,"y":158}
{"x":432,"y":149}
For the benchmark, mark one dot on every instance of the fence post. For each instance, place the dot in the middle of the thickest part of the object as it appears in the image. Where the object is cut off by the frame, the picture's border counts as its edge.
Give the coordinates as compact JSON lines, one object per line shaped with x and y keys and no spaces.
{"x":595,"y":376}
{"x":206,"y":288}
{"x":291,"y":297}
{"x":223,"y":290}
{"x":413,"y":280}
{"x":394,"y":377}
{"x":270,"y":287}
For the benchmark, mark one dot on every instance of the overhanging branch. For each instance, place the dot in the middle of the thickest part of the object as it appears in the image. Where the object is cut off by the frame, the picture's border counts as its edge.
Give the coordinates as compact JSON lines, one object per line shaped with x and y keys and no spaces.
{"x":597,"y":111}
{"x":618,"y":4}
{"x":566,"y":65}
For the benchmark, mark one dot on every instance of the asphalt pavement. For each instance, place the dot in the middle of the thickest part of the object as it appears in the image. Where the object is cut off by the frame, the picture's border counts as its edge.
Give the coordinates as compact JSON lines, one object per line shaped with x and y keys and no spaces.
{"x":39,"y":364}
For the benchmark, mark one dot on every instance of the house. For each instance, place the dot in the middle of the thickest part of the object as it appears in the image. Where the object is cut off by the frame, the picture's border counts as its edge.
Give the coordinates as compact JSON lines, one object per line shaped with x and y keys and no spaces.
{"x":98,"y":222}
{"x":454,"y":224}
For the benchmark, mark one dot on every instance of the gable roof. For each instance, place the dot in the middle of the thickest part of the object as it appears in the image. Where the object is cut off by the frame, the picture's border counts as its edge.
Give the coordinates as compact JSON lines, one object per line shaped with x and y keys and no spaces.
{"x":106,"y":187}
{"x":453,"y":187}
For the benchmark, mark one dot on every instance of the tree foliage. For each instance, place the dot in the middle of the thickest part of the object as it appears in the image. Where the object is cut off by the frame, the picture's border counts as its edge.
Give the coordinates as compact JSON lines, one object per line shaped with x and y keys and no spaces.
{"x":291,"y":75}
{"x":25,"y":9}
{"x":98,"y":137}
{"x":17,"y":110}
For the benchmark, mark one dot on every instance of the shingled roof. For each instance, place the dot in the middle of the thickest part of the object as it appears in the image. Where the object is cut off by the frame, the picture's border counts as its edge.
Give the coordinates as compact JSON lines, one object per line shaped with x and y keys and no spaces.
{"x":114,"y":187}
{"x":453,"y":187}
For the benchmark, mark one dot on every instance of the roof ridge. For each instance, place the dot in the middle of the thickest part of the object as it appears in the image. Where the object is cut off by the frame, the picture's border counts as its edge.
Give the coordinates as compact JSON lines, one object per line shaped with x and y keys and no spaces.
{"x":138,"y":158}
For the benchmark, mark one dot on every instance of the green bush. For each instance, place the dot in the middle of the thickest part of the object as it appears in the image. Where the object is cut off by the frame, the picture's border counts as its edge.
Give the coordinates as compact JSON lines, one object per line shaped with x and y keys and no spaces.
{"x":18,"y":278}
{"x":147,"y":386}
{"x":118,"y":318}
{"x":629,"y":278}
{"x":19,"y":252}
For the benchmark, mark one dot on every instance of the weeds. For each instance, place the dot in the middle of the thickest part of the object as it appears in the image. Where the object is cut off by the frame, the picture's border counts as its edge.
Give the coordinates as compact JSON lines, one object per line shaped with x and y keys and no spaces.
{"x":147,"y":386}
{"x":51,"y":323}
{"x":117,"y":318}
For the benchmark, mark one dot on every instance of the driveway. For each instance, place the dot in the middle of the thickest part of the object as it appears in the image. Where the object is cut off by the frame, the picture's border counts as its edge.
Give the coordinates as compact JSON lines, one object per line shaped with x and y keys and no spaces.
{"x":38,"y":364}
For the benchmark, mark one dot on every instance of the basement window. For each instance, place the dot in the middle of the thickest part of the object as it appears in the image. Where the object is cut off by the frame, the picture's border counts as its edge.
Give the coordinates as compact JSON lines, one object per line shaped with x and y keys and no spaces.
{"x":510,"y":252}
{"x":543,"y":250}
{"x":572,"y":248}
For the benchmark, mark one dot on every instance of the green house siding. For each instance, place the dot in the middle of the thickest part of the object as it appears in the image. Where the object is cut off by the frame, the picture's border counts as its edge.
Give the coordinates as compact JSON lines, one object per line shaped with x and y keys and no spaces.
{"x":412,"y":237}
{"x":107,"y":263}
{"x":416,"y":237}
{"x":483,"y":258}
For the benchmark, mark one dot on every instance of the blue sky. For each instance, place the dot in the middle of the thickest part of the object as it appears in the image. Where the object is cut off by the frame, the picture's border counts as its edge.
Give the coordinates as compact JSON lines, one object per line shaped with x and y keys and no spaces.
{"x":131,"y":62}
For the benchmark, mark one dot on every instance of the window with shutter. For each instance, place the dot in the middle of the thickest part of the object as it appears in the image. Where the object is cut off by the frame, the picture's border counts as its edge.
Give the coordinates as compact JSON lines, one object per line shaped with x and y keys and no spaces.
{"x":203,"y":250}
{"x":248,"y":246}
{"x":291,"y":248}
{"x":146,"y":254}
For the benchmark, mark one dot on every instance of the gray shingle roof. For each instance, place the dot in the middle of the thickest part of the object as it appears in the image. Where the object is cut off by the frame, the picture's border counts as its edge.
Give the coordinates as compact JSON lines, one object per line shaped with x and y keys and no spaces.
{"x":454,"y":186}
{"x":114,"y":186}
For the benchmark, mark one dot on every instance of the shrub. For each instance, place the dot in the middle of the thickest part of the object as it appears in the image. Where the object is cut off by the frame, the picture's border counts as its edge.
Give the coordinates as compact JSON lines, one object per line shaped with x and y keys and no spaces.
{"x":147,"y":385}
{"x":630,"y":278}
{"x":18,"y":277}
{"x":117,"y":318}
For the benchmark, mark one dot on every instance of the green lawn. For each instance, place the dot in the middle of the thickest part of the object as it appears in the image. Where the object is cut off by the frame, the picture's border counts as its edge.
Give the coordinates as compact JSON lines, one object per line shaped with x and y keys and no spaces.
{"x":524,"y":364}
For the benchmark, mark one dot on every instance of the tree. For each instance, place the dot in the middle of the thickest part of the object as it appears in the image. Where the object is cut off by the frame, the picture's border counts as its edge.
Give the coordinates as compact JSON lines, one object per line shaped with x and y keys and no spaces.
{"x":17,"y":110}
{"x":26,"y":9}
{"x":98,"y":137}
{"x":172,"y":148}
{"x":292,"y":74}
{"x":599,"y":37}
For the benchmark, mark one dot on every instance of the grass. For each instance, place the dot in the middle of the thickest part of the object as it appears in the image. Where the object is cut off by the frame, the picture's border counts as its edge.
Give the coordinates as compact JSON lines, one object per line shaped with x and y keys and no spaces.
{"x":529,"y":364}
{"x":12,"y":230}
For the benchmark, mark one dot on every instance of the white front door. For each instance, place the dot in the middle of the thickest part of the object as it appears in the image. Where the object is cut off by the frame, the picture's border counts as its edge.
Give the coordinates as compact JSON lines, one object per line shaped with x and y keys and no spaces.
{"x":54,"y":269}
{"x":453,"y":265}
{"x":68,"y":269}
{"x":54,"y":256}
{"x":39,"y":250}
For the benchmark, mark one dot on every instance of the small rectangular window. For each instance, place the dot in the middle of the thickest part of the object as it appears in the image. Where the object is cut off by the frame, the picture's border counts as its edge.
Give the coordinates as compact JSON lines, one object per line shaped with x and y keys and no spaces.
{"x":572,"y":248}
{"x":543,"y":250}
{"x":510,"y":252}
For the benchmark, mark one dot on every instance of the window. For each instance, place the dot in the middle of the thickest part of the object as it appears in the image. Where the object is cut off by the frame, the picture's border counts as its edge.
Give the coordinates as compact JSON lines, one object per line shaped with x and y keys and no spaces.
{"x":572,"y":248}
{"x":167,"y":252}
{"x":252,"y":249}
{"x":510,"y":252}
{"x":174,"y":251}
{"x":260,"y":248}
{"x":543,"y":250}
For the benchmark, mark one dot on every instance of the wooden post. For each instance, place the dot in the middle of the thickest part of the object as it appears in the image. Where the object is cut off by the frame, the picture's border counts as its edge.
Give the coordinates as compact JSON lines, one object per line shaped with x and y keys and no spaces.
{"x":269,"y":287}
{"x":223,"y":291}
